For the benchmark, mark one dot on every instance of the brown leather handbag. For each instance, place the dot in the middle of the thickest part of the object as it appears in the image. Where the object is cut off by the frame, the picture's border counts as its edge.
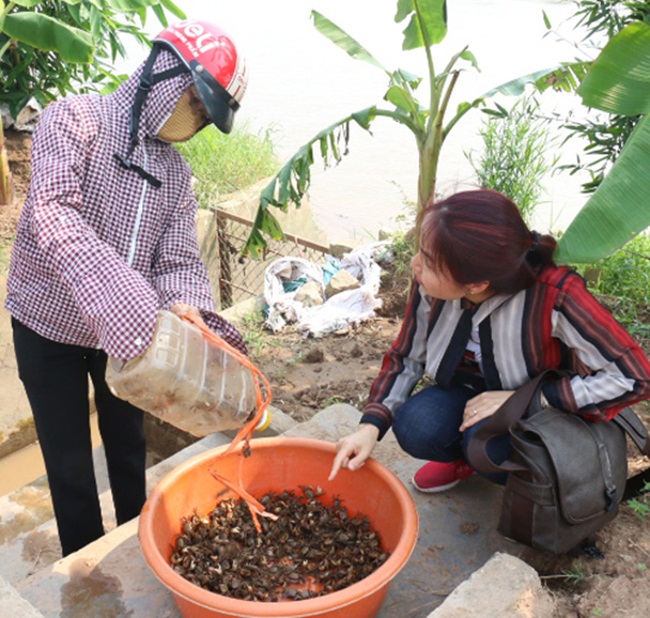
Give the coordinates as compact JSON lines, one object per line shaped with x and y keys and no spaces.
{"x":566,"y":476}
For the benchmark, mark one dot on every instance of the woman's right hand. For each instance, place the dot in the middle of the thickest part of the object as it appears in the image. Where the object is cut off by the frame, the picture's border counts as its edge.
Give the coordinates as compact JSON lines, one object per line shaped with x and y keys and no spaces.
{"x":353,"y":450}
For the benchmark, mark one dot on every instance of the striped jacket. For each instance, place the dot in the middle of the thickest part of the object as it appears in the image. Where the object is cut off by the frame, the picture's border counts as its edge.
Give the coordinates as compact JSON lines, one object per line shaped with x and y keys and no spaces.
{"x":554,"y":324}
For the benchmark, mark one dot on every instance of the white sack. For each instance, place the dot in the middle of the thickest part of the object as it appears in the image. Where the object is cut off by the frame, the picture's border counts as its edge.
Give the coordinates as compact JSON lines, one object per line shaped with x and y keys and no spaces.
{"x":341,"y":311}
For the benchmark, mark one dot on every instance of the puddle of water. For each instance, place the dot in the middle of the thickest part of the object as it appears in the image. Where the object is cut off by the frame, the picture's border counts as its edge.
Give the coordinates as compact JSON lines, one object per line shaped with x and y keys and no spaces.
{"x":26,"y":465}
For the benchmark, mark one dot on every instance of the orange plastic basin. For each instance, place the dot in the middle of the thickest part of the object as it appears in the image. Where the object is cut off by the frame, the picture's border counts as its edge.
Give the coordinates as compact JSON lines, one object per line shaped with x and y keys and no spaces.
{"x":279,"y":464}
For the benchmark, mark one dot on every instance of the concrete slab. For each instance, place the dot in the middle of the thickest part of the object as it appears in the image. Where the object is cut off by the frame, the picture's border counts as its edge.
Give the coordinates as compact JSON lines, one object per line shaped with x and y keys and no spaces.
{"x":12,"y":604}
{"x":28,"y":534}
{"x":109,"y":577}
{"x":457,"y":536}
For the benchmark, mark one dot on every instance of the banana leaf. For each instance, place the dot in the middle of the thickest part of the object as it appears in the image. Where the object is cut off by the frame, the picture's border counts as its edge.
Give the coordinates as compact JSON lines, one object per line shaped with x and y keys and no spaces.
{"x":619,"y":79}
{"x":618,"y":82}
{"x":428,"y":23}
{"x":28,"y":4}
{"x":343,"y":40}
{"x":124,"y":6}
{"x":618,"y":210}
{"x":48,"y":34}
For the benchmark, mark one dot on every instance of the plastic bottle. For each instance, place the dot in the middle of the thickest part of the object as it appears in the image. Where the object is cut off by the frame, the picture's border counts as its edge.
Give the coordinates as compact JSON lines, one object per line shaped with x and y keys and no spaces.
{"x":185,"y":380}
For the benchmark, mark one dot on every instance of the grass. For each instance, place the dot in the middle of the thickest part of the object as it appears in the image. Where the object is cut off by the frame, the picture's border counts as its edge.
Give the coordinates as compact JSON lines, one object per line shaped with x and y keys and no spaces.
{"x":574,"y":576}
{"x":641,"y":506}
{"x":226,"y":163}
{"x":624,"y":277}
{"x":401,"y":247}
{"x":255,"y":336}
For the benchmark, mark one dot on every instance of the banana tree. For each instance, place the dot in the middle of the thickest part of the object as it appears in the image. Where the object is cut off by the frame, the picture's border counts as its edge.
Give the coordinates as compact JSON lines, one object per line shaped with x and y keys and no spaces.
{"x":618,"y":82}
{"x":430,"y":123}
{"x":20,"y":23}
{"x":49,"y":48}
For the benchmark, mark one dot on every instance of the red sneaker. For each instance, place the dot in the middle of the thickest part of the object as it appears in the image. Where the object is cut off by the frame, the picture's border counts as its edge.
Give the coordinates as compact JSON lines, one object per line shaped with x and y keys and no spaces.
{"x":438,"y":476}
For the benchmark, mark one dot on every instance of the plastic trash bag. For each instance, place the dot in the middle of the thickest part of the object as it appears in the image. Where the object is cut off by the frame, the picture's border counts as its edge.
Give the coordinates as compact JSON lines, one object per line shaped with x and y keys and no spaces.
{"x":337,"y":313}
{"x":279,"y":293}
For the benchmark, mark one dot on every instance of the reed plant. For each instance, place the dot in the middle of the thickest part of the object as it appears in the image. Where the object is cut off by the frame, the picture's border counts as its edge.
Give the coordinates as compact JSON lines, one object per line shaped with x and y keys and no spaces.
{"x":514,"y":159}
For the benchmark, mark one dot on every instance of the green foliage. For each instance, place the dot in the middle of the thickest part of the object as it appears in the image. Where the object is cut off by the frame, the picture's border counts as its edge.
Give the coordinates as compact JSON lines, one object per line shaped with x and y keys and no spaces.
{"x":604,"y":135}
{"x":641,"y":507}
{"x":605,"y":139}
{"x":624,"y":277}
{"x":576,"y":575}
{"x":226,"y":163}
{"x":255,"y":337}
{"x":514,"y":160}
{"x":401,"y":249}
{"x":49,"y":48}
{"x":608,"y":17}
{"x":618,"y":82}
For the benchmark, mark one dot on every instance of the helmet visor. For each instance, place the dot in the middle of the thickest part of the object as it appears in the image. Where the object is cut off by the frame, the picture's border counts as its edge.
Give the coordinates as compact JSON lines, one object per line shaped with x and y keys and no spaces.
{"x":221,"y":107}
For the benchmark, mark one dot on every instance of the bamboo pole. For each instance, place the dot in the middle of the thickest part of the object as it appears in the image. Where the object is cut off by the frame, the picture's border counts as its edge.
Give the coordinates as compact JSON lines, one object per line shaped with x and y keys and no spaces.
{"x":6,"y":184}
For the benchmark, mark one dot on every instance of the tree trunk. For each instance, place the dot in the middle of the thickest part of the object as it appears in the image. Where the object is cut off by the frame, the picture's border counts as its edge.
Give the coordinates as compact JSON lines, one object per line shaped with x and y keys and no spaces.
{"x":6,"y":185}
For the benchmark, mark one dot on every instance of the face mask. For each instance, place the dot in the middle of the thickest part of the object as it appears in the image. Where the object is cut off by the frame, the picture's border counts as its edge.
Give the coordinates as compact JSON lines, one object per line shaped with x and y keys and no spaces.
{"x":185,"y":122}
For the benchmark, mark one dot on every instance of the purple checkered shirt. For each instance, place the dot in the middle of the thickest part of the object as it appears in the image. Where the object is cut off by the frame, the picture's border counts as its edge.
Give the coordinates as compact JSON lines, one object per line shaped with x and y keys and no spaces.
{"x":98,"y":250}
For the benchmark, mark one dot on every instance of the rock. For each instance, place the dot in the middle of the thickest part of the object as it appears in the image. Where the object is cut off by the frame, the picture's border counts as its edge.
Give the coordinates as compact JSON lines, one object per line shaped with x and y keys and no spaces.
{"x":338,"y":251}
{"x":309,"y":294}
{"x":341,"y":282}
{"x":315,"y":355}
{"x":504,"y":587}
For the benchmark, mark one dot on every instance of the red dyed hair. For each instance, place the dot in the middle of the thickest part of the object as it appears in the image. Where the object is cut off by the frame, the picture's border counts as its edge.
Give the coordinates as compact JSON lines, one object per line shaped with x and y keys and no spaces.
{"x":479,"y":235}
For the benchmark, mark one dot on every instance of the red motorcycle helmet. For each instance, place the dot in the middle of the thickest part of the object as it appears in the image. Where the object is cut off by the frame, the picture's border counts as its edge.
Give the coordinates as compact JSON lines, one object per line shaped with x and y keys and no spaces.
{"x":217,"y":69}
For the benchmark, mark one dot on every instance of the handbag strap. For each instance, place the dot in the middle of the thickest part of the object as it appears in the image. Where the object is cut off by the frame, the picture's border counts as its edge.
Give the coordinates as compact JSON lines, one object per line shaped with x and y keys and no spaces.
{"x":515,"y":407}
{"x":499,"y":423}
{"x":634,"y":427}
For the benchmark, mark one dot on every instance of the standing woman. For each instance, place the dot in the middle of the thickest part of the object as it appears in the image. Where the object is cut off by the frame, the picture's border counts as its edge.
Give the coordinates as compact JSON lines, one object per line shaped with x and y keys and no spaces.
{"x":488,"y":312}
{"x":107,"y":238}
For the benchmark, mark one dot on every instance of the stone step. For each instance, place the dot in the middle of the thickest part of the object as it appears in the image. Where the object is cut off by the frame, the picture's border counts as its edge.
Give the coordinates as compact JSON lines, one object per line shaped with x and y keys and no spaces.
{"x":28,"y":534}
{"x":109,"y":577}
{"x":12,"y":604}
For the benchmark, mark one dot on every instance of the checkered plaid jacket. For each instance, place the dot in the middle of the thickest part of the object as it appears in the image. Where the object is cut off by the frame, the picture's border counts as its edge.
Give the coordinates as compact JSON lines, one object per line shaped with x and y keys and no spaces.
{"x":98,"y":249}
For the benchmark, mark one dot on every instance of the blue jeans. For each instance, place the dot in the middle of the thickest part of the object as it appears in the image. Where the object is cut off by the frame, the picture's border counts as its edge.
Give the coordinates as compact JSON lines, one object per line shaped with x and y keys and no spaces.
{"x":426,"y":427}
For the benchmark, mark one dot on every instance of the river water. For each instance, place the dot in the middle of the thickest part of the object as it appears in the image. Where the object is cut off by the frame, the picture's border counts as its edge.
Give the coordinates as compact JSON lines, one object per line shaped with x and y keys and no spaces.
{"x":300,"y":83}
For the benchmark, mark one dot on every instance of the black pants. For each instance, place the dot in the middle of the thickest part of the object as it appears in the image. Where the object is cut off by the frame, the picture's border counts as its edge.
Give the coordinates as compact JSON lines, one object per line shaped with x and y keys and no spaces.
{"x":55,"y":376}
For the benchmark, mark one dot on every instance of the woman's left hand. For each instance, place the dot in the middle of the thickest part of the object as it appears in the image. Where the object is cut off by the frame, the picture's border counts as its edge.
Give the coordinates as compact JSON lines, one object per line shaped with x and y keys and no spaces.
{"x":482,"y":406}
{"x":181,"y":309}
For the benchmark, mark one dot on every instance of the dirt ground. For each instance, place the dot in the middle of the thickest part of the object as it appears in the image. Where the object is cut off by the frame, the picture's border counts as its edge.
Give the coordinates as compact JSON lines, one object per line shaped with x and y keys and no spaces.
{"x":309,"y":374}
